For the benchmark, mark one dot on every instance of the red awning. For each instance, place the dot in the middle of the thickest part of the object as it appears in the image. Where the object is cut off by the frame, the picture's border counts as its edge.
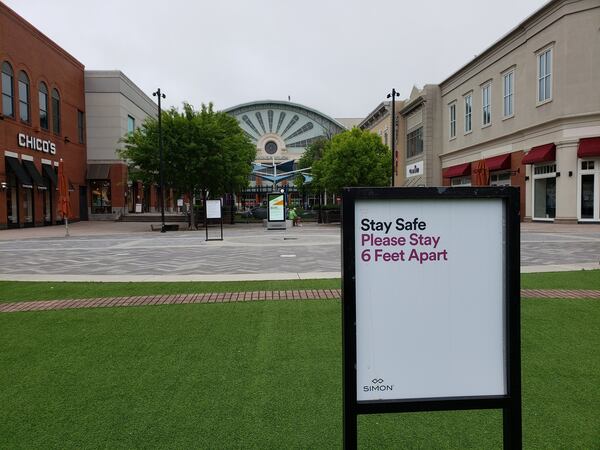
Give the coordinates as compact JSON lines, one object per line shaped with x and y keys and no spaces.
{"x":588,"y":147}
{"x":540,"y":154}
{"x":501,"y":162}
{"x":457,"y":171}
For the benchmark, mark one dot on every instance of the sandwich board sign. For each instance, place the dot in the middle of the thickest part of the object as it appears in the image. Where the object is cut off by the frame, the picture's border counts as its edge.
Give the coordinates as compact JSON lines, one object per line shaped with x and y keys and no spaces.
{"x":213,"y":211}
{"x":431,"y":302}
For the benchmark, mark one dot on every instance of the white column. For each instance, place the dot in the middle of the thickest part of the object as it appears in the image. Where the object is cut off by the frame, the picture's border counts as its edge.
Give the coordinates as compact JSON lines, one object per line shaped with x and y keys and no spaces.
{"x":566,"y":186}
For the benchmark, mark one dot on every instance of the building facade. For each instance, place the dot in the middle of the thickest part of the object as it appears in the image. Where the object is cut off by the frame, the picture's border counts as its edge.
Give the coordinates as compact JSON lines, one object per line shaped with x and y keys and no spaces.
{"x":379,"y":121}
{"x":527,"y":113}
{"x":421,"y":137}
{"x":115,"y":106}
{"x":41,"y":123}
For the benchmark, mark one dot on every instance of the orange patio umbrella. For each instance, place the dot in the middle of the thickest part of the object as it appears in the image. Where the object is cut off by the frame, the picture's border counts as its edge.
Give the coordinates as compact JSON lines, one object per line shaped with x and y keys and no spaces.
{"x":64,"y":203}
{"x":482,"y":174}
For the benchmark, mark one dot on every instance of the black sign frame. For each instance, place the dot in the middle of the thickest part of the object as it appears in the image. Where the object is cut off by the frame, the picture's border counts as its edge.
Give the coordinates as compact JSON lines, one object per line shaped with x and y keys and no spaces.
{"x":206,"y":219}
{"x":510,"y":403}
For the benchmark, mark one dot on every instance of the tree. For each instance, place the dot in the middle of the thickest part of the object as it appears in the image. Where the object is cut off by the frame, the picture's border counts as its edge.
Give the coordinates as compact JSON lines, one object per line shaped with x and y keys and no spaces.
{"x":313,"y":153}
{"x":353,"y":158}
{"x":204,"y":151}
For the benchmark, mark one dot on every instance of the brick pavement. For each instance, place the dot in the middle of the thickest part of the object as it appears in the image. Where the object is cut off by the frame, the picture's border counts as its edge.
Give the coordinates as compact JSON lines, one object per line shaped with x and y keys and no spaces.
{"x":227,"y":297}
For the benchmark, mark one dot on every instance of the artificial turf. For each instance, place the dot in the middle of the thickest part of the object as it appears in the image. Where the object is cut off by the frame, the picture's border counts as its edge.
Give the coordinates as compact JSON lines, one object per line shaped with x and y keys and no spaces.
{"x":13,"y":291}
{"x":580,"y":279}
{"x":261,"y":375}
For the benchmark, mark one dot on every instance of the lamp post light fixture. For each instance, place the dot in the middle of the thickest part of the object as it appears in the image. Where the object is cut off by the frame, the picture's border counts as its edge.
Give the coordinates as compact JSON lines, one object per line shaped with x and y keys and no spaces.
{"x":393,"y":96}
{"x":160,"y":96}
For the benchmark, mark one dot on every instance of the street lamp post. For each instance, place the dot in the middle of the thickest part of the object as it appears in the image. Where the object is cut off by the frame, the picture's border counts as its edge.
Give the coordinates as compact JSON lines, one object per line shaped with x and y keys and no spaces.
{"x":160,"y":96}
{"x":393,"y":96}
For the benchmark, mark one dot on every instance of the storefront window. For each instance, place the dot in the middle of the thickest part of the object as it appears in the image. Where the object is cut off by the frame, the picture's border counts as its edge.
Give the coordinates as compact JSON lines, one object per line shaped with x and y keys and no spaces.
{"x":500,"y":179}
{"x":28,"y":206}
{"x":101,"y":203}
{"x":460,"y":181}
{"x":12,"y":203}
{"x":47,"y":206}
{"x":544,"y":191}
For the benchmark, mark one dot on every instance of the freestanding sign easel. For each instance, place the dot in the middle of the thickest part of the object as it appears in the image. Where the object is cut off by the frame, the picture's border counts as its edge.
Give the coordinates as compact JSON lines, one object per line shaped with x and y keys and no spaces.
{"x":431,"y":303}
{"x":213,"y":211}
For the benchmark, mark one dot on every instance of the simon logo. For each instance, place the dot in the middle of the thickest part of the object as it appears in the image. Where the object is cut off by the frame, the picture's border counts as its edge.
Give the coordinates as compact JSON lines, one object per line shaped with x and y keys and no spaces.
{"x":377,"y":385}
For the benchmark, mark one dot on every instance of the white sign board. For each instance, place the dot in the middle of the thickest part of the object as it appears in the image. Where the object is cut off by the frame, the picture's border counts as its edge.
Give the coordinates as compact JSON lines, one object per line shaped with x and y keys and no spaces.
{"x":179,"y":202}
{"x":213,"y":209}
{"x":414,"y":169}
{"x":430,"y":290}
{"x":138,"y":207}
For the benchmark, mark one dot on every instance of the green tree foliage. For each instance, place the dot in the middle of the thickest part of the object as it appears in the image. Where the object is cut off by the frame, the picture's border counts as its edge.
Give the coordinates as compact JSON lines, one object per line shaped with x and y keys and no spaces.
{"x":353,"y":158}
{"x":203,"y":151}
{"x":313,"y":153}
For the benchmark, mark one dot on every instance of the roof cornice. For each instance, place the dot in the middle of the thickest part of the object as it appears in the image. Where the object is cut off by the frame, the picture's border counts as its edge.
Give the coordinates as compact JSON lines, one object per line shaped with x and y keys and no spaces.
{"x":521,"y":28}
{"x":4,"y":9}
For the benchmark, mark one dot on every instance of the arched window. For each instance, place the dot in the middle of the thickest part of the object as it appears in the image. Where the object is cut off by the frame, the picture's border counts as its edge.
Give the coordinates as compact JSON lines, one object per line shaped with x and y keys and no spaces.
{"x":24,"y":96}
{"x":43,"y":98}
{"x":8,"y":105}
{"x":55,"y":111}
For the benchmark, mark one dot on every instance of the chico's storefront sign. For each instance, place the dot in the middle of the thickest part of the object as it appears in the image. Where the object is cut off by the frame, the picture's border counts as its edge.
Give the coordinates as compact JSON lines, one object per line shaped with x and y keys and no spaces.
{"x":36,"y":144}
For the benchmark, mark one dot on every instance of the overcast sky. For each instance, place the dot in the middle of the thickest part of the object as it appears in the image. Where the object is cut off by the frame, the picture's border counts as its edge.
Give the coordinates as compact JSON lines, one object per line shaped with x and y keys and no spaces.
{"x":339,"y":56}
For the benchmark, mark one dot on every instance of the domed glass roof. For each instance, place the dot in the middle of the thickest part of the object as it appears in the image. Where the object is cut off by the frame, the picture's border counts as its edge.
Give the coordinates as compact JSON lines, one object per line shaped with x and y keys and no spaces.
{"x":282,"y":130}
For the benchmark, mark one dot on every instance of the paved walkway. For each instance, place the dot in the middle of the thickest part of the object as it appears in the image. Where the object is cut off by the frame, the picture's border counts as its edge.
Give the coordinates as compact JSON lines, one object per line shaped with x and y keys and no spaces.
{"x":227,"y":297}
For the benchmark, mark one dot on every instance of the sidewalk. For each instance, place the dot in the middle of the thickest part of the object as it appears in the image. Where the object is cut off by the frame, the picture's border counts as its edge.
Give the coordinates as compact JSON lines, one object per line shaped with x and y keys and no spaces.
{"x":104,"y":228}
{"x":228,"y":297}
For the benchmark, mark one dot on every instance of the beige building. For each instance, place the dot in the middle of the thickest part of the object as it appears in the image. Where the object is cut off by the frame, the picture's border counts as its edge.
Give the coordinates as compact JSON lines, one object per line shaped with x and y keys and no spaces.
{"x":115,"y":106}
{"x":529,"y":106}
{"x":421,"y":137}
{"x":379,"y":121}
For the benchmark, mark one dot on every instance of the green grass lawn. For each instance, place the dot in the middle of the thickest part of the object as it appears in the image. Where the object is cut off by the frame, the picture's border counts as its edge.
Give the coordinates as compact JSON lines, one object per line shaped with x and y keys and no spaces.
{"x":261,"y":375}
{"x":11,"y":291}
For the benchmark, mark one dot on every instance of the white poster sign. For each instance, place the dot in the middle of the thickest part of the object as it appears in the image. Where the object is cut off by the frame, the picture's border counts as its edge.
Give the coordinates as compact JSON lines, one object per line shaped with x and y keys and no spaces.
{"x":430,"y":290}
{"x":179,"y":202}
{"x":213,"y":209}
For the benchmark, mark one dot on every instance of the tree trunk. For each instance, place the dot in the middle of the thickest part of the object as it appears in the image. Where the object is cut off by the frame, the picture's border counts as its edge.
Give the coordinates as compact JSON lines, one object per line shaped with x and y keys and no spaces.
{"x":192,"y":222}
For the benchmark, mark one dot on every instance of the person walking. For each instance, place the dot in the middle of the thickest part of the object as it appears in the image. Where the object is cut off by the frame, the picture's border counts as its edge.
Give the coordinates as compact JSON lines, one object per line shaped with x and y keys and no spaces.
{"x":293,"y":216}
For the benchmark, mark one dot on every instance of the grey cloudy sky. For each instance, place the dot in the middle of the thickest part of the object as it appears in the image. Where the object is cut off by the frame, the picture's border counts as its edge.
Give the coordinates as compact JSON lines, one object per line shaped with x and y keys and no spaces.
{"x":338,"y":56}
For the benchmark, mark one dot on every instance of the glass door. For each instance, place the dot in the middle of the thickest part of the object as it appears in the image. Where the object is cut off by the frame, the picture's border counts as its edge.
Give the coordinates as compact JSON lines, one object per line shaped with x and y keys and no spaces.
{"x":587,"y":196}
{"x":544,"y":191}
{"x":589,"y":192}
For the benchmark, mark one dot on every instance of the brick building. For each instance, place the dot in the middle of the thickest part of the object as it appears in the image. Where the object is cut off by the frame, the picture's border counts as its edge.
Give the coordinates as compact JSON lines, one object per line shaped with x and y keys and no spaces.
{"x":42,"y":117}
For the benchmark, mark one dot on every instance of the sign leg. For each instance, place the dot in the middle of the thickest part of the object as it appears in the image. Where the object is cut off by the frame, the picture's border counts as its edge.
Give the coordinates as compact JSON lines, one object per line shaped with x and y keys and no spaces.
{"x":512,"y":436}
{"x":350,"y":429}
